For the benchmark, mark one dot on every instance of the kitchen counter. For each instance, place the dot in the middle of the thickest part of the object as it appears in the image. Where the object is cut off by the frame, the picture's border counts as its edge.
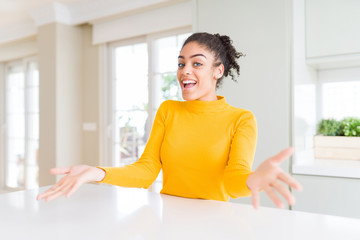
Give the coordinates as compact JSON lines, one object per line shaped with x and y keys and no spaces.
{"x":109,"y":212}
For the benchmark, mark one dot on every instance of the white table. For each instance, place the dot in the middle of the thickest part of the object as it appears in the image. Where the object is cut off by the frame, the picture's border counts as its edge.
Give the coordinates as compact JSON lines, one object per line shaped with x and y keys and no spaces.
{"x":109,"y":212}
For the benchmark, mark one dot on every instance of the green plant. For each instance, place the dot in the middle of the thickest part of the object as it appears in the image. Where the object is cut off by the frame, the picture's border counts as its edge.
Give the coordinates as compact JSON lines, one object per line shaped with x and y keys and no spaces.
{"x":329,"y":127}
{"x":351,"y":127}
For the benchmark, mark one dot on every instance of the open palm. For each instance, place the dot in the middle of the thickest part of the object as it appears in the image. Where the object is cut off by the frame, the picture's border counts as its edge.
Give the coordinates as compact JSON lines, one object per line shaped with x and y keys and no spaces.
{"x":75,"y":177}
{"x":268,"y":176}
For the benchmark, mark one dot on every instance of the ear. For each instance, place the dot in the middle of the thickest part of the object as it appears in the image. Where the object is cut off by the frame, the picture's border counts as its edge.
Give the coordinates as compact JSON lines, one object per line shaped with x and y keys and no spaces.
{"x":218,"y":71}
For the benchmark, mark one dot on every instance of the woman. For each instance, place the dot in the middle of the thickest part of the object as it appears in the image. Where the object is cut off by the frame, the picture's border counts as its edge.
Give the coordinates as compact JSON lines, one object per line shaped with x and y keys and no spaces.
{"x":204,"y":146}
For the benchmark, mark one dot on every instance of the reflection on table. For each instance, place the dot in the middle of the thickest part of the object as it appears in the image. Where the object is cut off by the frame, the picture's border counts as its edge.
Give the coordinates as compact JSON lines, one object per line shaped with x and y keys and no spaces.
{"x":103,"y":211}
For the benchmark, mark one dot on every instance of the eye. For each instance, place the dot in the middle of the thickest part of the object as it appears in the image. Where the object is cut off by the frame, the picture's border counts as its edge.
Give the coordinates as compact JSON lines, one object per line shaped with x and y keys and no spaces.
{"x":196,"y":64}
{"x":180,"y":65}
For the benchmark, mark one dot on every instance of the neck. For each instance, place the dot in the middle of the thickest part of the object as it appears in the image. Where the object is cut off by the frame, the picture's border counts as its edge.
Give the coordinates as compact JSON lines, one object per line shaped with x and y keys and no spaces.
{"x":208,"y":98}
{"x":207,"y":106}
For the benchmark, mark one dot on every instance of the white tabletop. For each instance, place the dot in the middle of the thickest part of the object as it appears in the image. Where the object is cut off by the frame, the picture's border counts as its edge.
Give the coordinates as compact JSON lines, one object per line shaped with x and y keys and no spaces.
{"x":305,"y":163}
{"x":109,"y":212}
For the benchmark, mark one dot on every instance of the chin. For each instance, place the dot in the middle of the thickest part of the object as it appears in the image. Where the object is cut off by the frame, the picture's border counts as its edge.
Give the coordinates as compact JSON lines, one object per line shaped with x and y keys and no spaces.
{"x":189,"y":97}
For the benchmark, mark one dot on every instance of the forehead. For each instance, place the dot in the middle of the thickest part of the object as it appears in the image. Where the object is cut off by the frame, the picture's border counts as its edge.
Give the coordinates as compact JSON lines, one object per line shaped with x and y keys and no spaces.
{"x":193,"y":48}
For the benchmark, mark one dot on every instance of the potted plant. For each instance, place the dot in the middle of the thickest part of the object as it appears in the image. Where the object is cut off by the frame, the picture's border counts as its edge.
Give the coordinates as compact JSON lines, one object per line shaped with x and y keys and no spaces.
{"x":338,"y":139}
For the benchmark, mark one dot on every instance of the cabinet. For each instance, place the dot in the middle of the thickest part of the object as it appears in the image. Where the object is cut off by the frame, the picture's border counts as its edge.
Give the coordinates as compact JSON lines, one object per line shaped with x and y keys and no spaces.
{"x":332,"y":33}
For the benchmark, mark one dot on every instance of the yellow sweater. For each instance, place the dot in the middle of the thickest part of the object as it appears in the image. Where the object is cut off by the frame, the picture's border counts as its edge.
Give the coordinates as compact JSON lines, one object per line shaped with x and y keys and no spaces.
{"x":205,"y":148}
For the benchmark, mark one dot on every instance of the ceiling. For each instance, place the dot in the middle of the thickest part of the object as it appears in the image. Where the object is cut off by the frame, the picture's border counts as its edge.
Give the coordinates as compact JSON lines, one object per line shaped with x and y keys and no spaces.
{"x":15,"y":11}
{"x":20,"y":19}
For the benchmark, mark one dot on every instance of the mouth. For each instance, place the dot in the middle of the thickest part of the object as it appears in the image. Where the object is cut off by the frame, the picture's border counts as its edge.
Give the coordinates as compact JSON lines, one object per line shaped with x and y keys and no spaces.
{"x":188,"y":83}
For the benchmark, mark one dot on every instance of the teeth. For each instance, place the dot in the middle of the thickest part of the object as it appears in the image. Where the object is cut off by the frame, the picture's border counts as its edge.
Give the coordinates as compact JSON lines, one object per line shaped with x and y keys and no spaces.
{"x":188,"y":81}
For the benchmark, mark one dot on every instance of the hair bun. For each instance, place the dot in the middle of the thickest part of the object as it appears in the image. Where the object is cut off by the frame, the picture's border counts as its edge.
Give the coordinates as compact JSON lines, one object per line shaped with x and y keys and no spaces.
{"x":225,"y":40}
{"x":228,"y":44}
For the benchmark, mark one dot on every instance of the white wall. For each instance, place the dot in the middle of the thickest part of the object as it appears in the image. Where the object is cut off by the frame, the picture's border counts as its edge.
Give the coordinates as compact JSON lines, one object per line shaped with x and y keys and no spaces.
{"x":90,"y":100}
{"x":69,"y":73}
{"x":47,"y":102}
{"x":261,"y":30}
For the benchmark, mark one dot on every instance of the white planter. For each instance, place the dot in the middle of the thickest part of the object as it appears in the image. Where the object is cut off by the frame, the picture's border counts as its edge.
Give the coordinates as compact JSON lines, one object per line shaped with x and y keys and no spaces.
{"x":337,"y":147}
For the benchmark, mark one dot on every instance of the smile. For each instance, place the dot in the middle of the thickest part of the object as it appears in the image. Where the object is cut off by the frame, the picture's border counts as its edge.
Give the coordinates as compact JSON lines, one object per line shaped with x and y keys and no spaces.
{"x":189,"y":83}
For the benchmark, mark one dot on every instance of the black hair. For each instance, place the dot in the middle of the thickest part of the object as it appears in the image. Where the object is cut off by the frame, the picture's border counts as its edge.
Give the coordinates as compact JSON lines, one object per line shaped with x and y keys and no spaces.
{"x":224,"y":51}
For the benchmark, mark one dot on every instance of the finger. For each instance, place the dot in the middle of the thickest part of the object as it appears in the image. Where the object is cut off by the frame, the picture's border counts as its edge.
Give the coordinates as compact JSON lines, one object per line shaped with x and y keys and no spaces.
{"x":278,"y":158}
{"x":286,"y":178}
{"x":39,"y":196}
{"x":255,"y":199}
{"x":284,"y":191}
{"x":60,"y":171}
{"x":56,"y":194}
{"x":47,"y":193}
{"x":52,"y":189}
{"x":272,"y":195}
{"x":60,"y":192}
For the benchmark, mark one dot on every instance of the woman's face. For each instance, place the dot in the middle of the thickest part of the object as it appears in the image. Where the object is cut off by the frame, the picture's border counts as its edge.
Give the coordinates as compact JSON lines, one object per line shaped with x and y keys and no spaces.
{"x":196,"y":73}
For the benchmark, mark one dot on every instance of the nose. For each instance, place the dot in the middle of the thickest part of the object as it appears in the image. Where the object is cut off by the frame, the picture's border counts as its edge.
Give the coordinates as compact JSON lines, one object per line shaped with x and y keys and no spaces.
{"x":187,"y":70}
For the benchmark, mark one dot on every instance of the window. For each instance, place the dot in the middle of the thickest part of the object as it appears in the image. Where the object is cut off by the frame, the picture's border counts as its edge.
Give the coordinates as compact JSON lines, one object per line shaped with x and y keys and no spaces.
{"x":130,"y":102}
{"x":21,"y":124}
{"x":143,"y":74}
{"x":333,"y":95}
{"x":340,"y":99}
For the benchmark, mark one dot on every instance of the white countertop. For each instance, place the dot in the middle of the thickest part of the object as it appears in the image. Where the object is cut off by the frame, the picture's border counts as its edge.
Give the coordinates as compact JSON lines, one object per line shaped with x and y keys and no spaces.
{"x":110,"y":212}
{"x":305,"y":163}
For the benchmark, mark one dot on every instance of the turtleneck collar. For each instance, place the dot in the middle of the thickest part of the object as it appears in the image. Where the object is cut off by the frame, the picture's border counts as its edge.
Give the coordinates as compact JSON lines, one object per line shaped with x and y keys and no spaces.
{"x":207,"y":106}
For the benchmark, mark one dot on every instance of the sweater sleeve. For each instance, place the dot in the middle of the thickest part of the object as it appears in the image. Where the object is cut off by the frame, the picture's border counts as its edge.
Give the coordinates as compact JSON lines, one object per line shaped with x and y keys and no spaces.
{"x":241,"y":157}
{"x":142,"y":173}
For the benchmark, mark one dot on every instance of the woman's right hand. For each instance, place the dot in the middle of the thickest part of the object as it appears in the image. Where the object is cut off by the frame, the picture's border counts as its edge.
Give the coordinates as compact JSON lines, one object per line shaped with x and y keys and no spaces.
{"x":75,"y":177}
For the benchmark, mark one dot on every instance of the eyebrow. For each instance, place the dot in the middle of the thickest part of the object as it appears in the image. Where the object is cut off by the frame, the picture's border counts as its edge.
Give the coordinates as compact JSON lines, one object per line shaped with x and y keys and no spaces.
{"x":195,"y":55}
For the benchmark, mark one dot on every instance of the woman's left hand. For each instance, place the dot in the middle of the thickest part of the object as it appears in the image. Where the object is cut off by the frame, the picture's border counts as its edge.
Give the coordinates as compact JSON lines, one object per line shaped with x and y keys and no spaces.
{"x":268,"y":177}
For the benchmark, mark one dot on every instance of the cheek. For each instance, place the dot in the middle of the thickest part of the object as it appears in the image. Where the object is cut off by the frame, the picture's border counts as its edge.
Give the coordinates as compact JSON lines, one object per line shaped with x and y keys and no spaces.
{"x":178,"y":75}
